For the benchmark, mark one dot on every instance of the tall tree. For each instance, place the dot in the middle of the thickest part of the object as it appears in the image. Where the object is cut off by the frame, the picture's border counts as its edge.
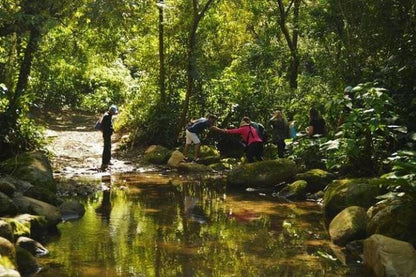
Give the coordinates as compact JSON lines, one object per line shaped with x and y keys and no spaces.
{"x":191,"y":70}
{"x":161,"y":5}
{"x":291,"y":36}
{"x":29,"y":21}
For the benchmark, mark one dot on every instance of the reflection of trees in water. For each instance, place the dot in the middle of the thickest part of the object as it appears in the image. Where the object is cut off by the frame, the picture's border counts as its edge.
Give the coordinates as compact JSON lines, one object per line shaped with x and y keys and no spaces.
{"x":187,"y":230}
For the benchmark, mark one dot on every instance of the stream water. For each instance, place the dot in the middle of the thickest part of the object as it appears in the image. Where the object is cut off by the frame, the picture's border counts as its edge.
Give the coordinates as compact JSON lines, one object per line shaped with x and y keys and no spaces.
{"x":150,"y":224}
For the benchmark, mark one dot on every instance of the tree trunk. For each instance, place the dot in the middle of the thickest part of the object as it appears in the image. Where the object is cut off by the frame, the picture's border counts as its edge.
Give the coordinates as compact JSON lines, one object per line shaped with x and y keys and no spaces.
{"x":191,"y":66}
{"x":24,"y":73}
{"x":291,"y":39}
{"x":161,"y":55}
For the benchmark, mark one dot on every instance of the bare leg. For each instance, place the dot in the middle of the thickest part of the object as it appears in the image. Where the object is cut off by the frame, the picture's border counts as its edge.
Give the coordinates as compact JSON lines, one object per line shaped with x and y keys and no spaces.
{"x":197,"y":148}
{"x":185,"y":150}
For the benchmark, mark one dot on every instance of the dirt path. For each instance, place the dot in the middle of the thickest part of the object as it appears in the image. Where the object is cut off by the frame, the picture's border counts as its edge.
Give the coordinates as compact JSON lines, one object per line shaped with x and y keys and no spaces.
{"x":76,"y":147}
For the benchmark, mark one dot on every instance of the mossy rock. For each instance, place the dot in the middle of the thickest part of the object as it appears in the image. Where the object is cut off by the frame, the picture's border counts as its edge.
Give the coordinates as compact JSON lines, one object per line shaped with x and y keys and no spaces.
{"x":295,"y":190}
{"x":19,"y":228}
{"x":348,"y":225}
{"x":264,"y":173}
{"x":175,"y":159}
{"x":27,"y":225}
{"x":394,"y":217}
{"x":317,"y":179}
{"x":343,"y":193}
{"x":193,"y":168}
{"x":33,"y":167}
{"x":157,"y":154}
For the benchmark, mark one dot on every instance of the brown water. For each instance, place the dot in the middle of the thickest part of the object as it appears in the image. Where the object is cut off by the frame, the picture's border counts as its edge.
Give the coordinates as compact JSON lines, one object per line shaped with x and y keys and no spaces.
{"x":155,"y":225}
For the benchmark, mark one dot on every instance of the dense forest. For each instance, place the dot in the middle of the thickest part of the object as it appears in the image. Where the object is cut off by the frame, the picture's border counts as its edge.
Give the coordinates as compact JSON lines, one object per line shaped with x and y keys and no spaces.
{"x":164,"y":62}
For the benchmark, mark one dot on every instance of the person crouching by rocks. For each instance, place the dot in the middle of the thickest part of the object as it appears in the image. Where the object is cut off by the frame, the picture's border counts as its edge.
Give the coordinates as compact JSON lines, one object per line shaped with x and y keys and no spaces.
{"x":107,"y":130}
{"x":252,"y":140}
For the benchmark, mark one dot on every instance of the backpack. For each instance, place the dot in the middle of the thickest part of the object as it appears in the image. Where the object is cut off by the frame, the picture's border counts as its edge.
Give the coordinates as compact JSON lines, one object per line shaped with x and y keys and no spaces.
{"x":98,"y":126}
{"x":261,"y":131}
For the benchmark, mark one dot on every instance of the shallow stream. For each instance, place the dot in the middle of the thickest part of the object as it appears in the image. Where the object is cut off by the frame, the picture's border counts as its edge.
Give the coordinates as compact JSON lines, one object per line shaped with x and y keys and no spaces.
{"x":150,"y":224}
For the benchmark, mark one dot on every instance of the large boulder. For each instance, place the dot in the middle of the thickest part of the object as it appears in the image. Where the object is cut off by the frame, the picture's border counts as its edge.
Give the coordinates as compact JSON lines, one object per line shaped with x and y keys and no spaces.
{"x":389,"y":257}
{"x":72,"y":210}
{"x":33,"y":167}
{"x":157,"y":154}
{"x":26,"y":262}
{"x":31,"y":245}
{"x":176,"y":158}
{"x":348,"y":225}
{"x":341,"y":194}
{"x":317,"y":179}
{"x":264,"y":173}
{"x":33,"y":206}
{"x":295,"y":190}
{"x":394,"y":217}
{"x":27,"y":225}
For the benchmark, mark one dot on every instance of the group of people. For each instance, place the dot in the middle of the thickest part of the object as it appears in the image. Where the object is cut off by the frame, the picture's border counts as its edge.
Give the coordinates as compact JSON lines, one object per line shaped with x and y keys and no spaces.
{"x":249,"y":135}
{"x":248,"y":131}
{"x":280,"y":127}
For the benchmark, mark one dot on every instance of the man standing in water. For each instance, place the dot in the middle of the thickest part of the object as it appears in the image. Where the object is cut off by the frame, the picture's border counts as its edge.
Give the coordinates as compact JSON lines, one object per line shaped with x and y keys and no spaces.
{"x":107,"y":130}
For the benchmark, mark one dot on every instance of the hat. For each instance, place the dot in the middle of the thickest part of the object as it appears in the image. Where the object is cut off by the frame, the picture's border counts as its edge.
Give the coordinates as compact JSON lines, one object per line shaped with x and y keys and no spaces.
{"x":113,"y":109}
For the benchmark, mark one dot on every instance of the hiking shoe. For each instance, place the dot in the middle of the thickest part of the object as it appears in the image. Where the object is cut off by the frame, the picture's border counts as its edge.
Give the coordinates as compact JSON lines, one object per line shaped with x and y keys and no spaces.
{"x":186,"y":159}
{"x":197,"y":160}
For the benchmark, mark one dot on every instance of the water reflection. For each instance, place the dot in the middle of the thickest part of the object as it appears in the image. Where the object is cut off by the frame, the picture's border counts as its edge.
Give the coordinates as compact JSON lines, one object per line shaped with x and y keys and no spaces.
{"x":193,"y":229}
{"x":104,"y":209}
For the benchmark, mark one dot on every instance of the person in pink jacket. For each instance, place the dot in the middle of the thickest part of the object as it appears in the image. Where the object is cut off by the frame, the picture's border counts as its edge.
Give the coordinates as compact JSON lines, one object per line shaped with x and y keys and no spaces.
{"x":252,"y":140}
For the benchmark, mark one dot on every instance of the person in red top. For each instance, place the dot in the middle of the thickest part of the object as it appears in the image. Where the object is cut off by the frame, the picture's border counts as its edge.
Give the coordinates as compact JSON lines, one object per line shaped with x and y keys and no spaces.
{"x":254,"y":149}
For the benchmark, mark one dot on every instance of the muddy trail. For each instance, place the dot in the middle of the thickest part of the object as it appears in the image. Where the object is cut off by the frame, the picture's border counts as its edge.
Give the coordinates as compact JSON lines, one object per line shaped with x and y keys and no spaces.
{"x":76,"y":147}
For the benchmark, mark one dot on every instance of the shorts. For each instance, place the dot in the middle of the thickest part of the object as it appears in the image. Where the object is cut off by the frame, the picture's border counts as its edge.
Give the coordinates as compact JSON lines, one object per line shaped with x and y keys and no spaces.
{"x":192,"y":138}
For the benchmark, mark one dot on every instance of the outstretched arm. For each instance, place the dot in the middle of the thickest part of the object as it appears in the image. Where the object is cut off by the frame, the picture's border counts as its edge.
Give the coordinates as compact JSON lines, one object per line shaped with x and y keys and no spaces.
{"x":215,"y":128}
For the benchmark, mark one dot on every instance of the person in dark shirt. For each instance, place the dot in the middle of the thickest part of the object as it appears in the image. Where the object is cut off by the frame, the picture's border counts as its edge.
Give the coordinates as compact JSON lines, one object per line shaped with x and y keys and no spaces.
{"x":316,"y":124}
{"x":107,"y":130}
{"x":192,"y":134}
{"x":280,"y":131}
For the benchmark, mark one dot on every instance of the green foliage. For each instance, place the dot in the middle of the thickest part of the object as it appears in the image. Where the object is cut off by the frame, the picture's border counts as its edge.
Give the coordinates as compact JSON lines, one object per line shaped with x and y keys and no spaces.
{"x":25,"y":136}
{"x":158,"y":127}
{"x":403,"y":168}
{"x":108,"y":85}
{"x":307,"y":152}
{"x":368,"y":134}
